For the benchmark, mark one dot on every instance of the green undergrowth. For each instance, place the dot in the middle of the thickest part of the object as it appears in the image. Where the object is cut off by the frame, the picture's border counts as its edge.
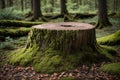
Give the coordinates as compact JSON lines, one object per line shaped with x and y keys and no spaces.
{"x":14,"y":32}
{"x":112,"y":39}
{"x":113,"y":68}
{"x":17,"y":23}
{"x":50,"y":61}
{"x":12,"y":43}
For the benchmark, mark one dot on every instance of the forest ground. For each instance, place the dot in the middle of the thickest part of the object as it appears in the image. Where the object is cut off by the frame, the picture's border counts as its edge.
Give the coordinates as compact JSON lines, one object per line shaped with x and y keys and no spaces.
{"x":84,"y":72}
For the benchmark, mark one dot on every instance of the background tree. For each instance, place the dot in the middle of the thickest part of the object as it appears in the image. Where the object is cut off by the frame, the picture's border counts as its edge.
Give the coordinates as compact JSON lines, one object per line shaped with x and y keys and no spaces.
{"x":9,"y":3}
{"x":22,"y":5}
{"x":37,"y":9}
{"x":63,"y":7}
{"x":2,"y":4}
{"x":31,"y":5}
{"x":102,"y":14}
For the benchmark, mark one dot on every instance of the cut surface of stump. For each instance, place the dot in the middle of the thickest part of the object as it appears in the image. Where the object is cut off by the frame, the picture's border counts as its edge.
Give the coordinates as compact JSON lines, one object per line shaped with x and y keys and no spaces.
{"x":54,"y":47}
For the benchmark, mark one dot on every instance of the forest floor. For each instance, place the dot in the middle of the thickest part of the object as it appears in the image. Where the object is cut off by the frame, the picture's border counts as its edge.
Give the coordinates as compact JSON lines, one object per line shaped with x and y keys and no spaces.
{"x":84,"y":72}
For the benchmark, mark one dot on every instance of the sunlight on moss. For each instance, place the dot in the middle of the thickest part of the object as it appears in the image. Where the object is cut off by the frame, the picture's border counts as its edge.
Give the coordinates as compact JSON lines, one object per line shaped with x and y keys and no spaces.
{"x":113,"y":68}
{"x":112,"y":39}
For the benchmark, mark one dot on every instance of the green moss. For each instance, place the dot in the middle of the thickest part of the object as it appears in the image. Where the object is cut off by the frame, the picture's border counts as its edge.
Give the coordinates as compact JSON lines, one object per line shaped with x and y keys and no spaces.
{"x":113,"y":68}
{"x":22,"y":57}
{"x":109,"y":49}
{"x":53,"y":61}
{"x":112,"y":39}
{"x":14,"y":32}
{"x":18,"y":23}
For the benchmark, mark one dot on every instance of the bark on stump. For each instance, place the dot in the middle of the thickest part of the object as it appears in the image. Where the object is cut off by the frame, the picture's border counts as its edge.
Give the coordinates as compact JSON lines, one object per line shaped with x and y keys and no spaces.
{"x":55,"y":47}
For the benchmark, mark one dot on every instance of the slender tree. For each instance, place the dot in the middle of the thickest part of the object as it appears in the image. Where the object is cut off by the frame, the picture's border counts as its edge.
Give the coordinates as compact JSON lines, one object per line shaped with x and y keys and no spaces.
{"x":63,"y":7}
{"x":37,"y":9}
{"x":96,"y":5}
{"x":53,"y":4}
{"x":102,"y":14}
{"x":10,"y":3}
{"x":2,"y":4}
{"x":22,"y":5}
{"x":31,"y":5}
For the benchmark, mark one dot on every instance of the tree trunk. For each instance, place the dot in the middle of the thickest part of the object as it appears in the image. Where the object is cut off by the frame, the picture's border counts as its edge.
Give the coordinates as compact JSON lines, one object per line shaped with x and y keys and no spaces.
{"x":31,"y":5}
{"x":53,"y":5}
{"x":63,"y":7}
{"x":37,"y":9}
{"x":10,"y":3}
{"x":55,"y":47}
{"x":22,"y":5}
{"x":102,"y":14}
{"x":2,"y":4}
{"x":96,"y":5}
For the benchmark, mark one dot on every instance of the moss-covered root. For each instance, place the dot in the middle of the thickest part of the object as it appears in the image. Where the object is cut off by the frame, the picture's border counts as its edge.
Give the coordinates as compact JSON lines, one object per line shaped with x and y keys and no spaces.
{"x":68,"y":18}
{"x":113,"y":68}
{"x":13,"y":32}
{"x":101,"y":24}
{"x":17,"y":23}
{"x":112,"y":39}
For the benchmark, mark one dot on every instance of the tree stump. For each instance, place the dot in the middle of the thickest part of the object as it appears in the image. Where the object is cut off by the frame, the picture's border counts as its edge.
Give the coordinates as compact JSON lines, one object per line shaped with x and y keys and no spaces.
{"x":54,"y":47}
{"x":65,"y":36}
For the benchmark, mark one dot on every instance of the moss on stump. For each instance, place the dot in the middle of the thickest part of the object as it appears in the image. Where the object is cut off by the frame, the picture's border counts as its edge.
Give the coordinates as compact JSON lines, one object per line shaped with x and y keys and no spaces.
{"x":55,"y":47}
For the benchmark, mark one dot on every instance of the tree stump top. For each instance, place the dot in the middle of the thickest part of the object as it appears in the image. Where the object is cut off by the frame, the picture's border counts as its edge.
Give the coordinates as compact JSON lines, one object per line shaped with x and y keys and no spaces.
{"x":65,"y":26}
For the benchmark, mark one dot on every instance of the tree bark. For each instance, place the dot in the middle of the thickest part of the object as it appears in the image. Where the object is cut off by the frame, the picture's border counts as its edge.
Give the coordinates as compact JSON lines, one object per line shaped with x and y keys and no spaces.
{"x":102,"y":14}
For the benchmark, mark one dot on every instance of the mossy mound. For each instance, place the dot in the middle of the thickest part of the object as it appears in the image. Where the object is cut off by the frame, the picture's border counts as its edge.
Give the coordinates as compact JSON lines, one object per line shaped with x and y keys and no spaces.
{"x":53,"y":61}
{"x":112,"y":39}
{"x":17,"y":23}
{"x":14,"y":32}
{"x":113,"y":68}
